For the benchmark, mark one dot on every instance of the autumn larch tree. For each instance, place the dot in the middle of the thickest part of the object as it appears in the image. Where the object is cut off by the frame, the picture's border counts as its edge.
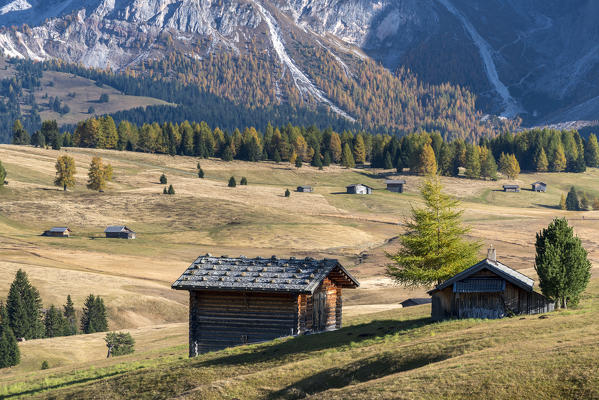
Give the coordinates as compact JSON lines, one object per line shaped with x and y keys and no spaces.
{"x":65,"y":172}
{"x":427,"y":163}
{"x":542,"y":164}
{"x":99,"y":174}
{"x":347,"y":159}
{"x":509,"y":166}
{"x":335,"y":147}
{"x":359,"y":150}
{"x":559,"y":159}
{"x":591,"y":151}
{"x":2,"y":174}
{"x":473,"y":166}
{"x":434,"y":247}
{"x":20,"y":135}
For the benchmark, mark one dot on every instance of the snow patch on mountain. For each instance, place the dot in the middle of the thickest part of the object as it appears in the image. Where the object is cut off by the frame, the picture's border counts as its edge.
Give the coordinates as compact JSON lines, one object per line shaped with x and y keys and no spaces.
{"x":16,"y":5}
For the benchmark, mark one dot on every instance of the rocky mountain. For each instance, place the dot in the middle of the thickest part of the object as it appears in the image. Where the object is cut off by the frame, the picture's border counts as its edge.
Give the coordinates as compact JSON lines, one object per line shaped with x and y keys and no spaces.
{"x":532,"y":58}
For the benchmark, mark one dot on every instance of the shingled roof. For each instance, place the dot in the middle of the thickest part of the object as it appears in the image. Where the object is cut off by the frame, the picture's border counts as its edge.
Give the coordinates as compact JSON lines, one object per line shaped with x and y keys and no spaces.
{"x":117,"y":229}
{"x":262,"y":274}
{"x":496,"y":267}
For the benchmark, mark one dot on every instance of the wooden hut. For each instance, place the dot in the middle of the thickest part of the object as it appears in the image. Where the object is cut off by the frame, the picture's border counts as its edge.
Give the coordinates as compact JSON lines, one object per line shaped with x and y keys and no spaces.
{"x":58,"y":232}
{"x":511,"y":188}
{"x":233,"y":301}
{"x":395,"y":185}
{"x":488,"y":289}
{"x":359,"y":188}
{"x":539,"y":187}
{"x":119,"y":232}
{"x":305,"y":189}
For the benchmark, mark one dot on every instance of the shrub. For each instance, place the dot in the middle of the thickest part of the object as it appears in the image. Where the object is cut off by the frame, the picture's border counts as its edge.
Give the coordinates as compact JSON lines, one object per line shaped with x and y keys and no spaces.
{"x":119,"y":343}
{"x":287,"y":193}
{"x":104,"y":98}
{"x":243,"y":181}
{"x":45,"y":365}
{"x":232,"y":182}
{"x":171,"y":190}
{"x":200,"y":173}
{"x":163,"y":179}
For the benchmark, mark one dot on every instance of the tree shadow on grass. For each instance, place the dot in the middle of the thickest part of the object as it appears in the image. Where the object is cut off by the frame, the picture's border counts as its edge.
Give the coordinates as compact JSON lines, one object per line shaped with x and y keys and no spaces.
{"x":322,"y":341}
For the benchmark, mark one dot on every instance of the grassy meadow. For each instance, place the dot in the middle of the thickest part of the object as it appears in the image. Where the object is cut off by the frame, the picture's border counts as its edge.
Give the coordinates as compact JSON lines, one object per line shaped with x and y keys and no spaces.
{"x":383,"y":352}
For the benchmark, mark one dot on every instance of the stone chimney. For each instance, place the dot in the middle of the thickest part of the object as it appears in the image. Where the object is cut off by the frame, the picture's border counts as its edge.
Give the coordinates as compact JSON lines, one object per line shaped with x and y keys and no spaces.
{"x":491,"y":254}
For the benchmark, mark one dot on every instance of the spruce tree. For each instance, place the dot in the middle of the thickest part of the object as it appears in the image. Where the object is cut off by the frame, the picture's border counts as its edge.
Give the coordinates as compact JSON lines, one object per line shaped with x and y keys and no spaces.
{"x":347,"y":159}
{"x":591,"y":151}
{"x":473,"y":166}
{"x":201,"y":173}
{"x":65,"y":172}
{"x":572,"y":202}
{"x":388,"y":163}
{"x":9,"y":348}
{"x":163,"y":179}
{"x":326,"y":161}
{"x":24,"y":307}
{"x":276,"y":157}
{"x":2,"y":174}
{"x":287,"y":193}
{"x":38,"y":139}
{"x":243,"y":181}
{"x":445,"y":160}
{"x":70,"y":317}
{"x":298,"y":162}
{"x":164,"y":190}
{"x":171,"y":190}
{"x":19,"y":134}
{"x":94,"y":315}
{"x":227,"y":154}
{"x":542,"y":164}
{"x":434,"y":247}
{"x":561,"y":263}
{"x":232,"y":182}
{"x":54,"y":322}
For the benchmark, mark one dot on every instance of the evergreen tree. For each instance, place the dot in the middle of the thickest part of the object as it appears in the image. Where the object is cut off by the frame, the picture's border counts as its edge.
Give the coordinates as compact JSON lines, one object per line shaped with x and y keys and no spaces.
{"x":232,"y":182}
{"x":65,"y":172}
{"x":201,"y":173}
{"x":298,"y":162}
{"x":24,"y":307}
{"x":99,"y":174}
{"x":562,"y":202}
{"x":488,"y":167}
{"x":38,"y":140}
{"x":585,"y":202}
{"x":287,"y":193}
{"x":473,"y":166}
{"x":388,"y":164}
{"x":433,"y":249}
{"x":243,"y":181}
{"x":119,"y":344}
{"x":171,"y":190}
{"x":2,"y":174}
{"x":559,"y":159}
{"x":54,"y":323}
{"x":580,"y":164}
{"x":163,"y":179}
{"x":542,"y":164}
{"x":164,"y":190}
{"x":70,"y":317}
{"x":591,"y":151}
{"x":359,"y":150}
{"x":276,"y":157}
{"x":227,"y":154}
{"x":427,"y":164}
{"x":561,"y":263}
{"x":94,"y":315}
{"x":9,"y":348}
{"x":20,"y":135}
{"x":572,"y":202}
{"x":347,"y":159}
{"x":446,"y":160}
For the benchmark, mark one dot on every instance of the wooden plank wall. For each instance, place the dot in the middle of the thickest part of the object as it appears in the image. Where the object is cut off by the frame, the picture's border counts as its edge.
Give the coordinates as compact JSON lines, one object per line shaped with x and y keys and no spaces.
{"x":333,"y":307}
{"x":223,"y":319}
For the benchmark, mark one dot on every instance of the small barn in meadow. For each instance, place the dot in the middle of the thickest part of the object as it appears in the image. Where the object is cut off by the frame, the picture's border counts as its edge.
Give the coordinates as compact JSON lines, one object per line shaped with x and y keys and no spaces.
{"x":234,"y":301}
{"x":395,"y":185}
{"x":539,"y":187}
{"x":359,"y":188}
{"x":511,"y":188}
{"x":119,"y":232}
{"x":488,"y":289}
{"x":58,"y":232}
{"x":305,"y":189}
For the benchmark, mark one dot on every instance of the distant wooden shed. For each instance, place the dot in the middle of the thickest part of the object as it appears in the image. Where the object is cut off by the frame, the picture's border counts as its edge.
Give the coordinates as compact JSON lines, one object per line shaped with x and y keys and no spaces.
{"x":417,"y":301}
{"x":359,"y":188}
{"x":539,"y":187}
{"x":488,"y":289}
{"x":305,"y":189}
{"x":119,"y":232}
{"x":511,"y":188}
{"x":58,"y":232}
{"x":395,"y":185}
{"x":234,"y":301}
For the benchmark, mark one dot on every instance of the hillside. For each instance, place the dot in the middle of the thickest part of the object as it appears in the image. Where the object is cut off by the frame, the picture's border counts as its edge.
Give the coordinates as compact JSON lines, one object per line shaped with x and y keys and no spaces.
{"x":205,"y":216}
{"x":531,"y":59}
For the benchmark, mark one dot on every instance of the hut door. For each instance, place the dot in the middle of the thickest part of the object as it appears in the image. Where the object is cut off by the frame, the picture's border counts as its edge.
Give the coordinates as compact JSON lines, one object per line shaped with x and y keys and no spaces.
{"x":319,"y":316}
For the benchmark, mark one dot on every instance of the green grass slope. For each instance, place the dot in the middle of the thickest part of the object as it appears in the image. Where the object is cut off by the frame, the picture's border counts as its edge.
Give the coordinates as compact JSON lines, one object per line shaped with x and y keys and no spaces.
{"x":398,"y":354}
